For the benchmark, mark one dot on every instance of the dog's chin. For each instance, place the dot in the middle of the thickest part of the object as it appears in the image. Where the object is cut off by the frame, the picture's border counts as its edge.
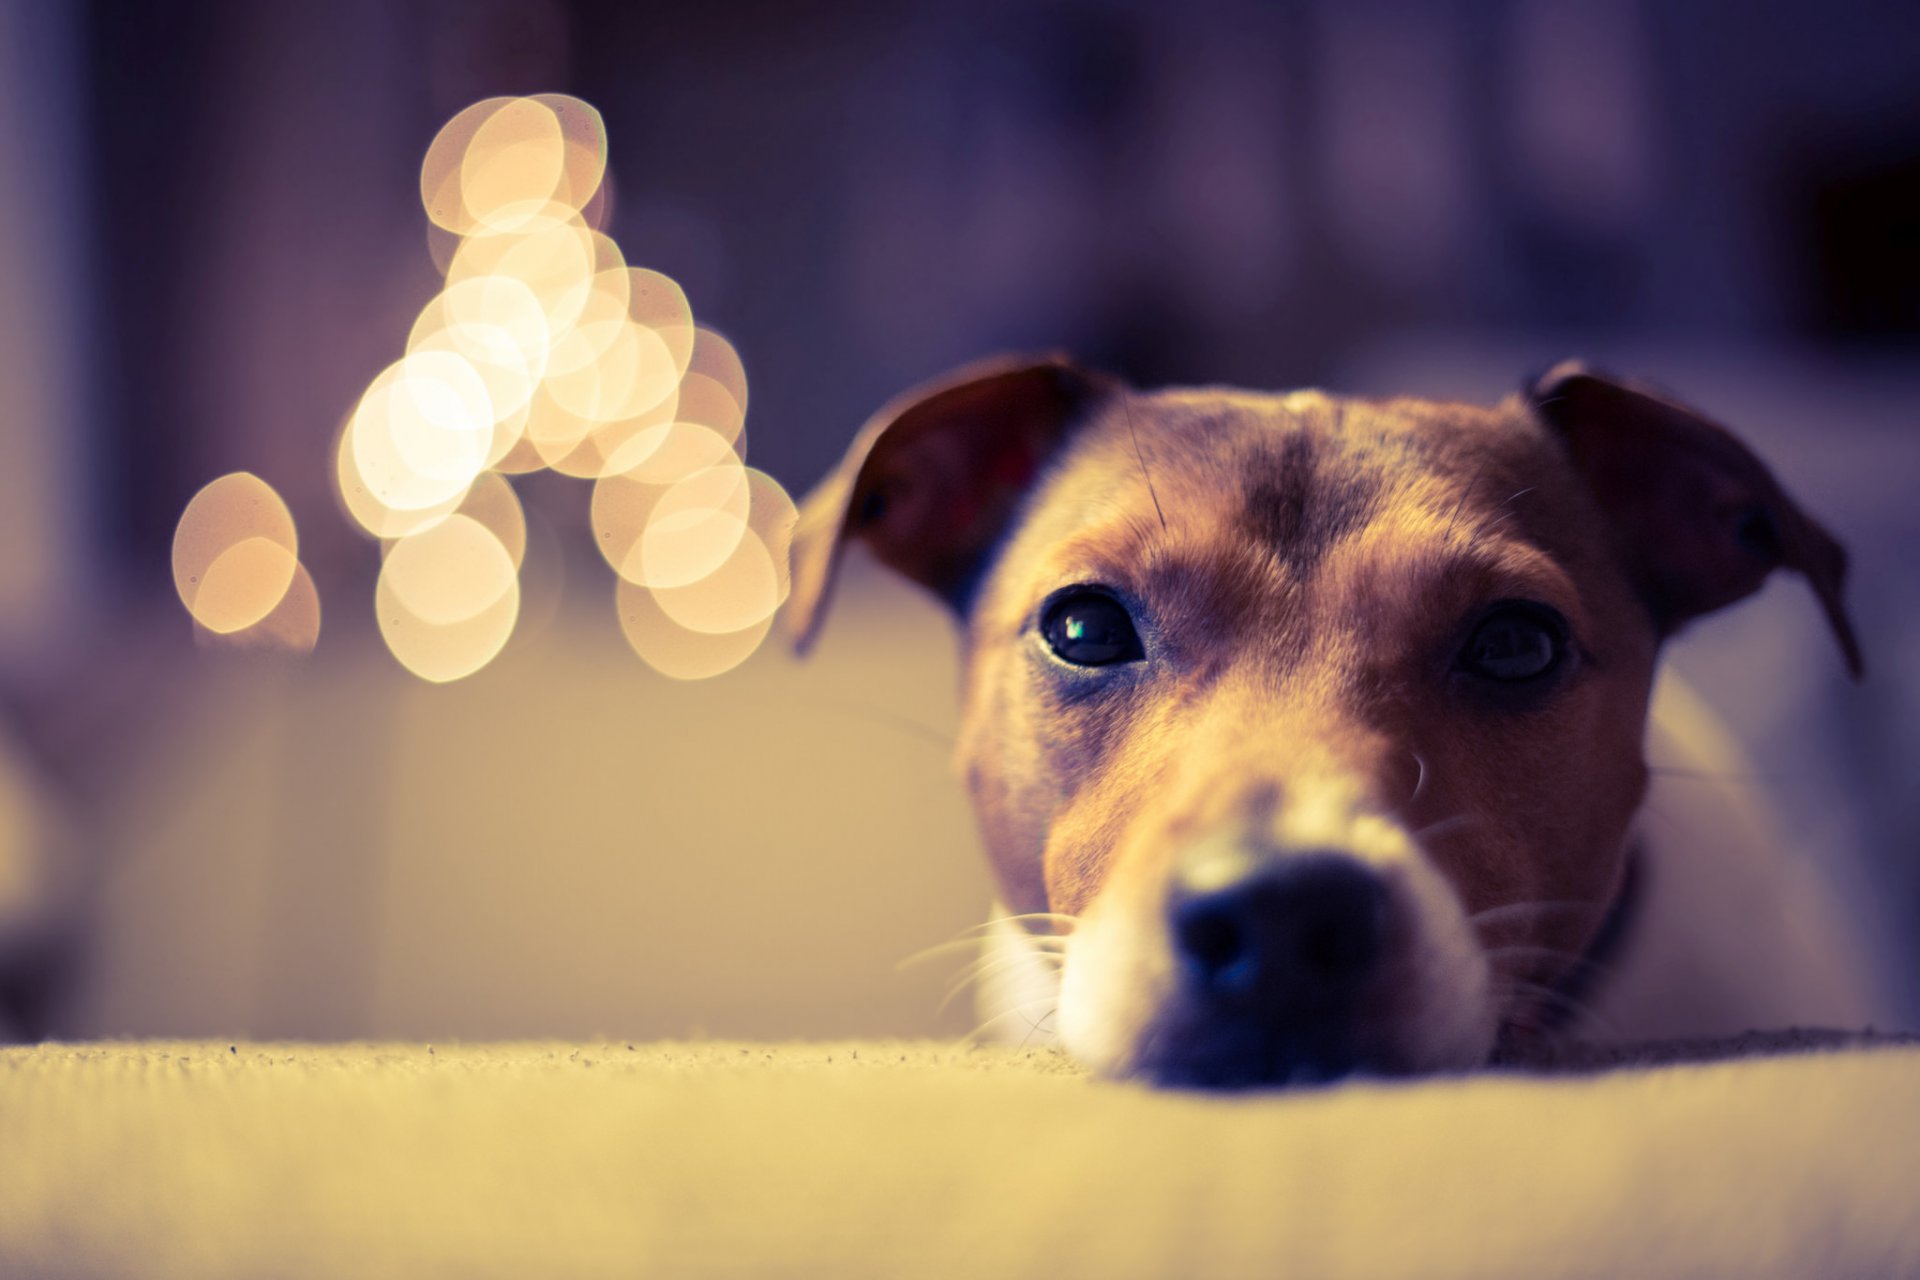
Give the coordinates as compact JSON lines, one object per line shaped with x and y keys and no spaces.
{"x":1241,"y":1054}
{"x":1181,"y":1051}
{"x":1173,"y":1042}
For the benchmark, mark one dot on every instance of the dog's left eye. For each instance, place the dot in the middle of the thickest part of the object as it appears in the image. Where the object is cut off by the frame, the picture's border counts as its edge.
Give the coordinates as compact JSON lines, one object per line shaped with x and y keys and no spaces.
{"x":1515,"y":642}
{"x":1090,"y":629}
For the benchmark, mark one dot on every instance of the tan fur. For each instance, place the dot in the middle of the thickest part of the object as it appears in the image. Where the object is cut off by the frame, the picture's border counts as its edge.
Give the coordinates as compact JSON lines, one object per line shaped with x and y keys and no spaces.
{"x":1304,"y":566}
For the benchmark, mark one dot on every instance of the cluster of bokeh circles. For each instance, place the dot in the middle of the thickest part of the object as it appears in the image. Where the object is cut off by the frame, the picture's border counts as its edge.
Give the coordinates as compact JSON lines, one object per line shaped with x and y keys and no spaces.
{"x":545,"y":350}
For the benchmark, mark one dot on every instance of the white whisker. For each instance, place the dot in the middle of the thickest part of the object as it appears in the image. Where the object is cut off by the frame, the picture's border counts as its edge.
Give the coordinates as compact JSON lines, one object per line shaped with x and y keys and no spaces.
{"x":970,"y":937}
{"x":992,"y":965}
{"x":1443,"y":825}
{"x":1492,"y":915}
{"x":1025,"y":1012}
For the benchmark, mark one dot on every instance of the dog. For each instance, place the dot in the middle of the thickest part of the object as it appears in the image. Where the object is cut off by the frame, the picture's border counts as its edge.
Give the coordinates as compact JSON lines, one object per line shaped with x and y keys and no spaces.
{"x":1307,"y":734}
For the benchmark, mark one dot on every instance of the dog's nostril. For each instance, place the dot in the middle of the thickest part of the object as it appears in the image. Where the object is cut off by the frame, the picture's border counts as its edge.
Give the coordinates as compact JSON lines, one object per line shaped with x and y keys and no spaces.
{"x":1340,"y":943}
{"x":1296,"y":931}
{"x":1208,"y":934}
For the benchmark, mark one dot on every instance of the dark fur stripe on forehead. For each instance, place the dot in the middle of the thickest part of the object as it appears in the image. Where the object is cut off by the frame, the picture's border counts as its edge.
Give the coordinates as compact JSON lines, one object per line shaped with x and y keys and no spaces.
{"x":1297,"y":506}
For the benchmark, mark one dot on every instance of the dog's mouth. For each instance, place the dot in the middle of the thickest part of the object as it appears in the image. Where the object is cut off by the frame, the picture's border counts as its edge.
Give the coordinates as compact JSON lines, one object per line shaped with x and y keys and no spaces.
{"x":1262,"y":971}
{"x":1251,"y":1053}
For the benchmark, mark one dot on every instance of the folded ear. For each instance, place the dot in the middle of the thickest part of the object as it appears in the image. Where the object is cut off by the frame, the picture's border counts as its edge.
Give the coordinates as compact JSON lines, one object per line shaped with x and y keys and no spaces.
{"x":1699,"y":520}
{"x":933,"y":478}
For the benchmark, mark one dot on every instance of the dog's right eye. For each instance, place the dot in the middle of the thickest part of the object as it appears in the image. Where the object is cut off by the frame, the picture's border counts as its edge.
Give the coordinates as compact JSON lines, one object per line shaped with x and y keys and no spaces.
{"x":1090,"y":629}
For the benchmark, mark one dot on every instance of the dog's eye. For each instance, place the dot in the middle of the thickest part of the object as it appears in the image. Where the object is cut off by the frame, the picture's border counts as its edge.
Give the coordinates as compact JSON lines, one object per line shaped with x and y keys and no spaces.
{"x":1515,"y":642}
{"x":1090,"y":629}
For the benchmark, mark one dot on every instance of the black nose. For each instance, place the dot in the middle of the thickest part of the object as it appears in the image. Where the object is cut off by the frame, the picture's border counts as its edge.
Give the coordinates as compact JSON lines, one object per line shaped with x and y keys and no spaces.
{"x":1286,"y":938}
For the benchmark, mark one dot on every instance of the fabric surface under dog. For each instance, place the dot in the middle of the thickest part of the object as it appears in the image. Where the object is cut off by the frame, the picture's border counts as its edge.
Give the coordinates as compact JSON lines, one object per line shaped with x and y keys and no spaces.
{"x":889,"y":1159}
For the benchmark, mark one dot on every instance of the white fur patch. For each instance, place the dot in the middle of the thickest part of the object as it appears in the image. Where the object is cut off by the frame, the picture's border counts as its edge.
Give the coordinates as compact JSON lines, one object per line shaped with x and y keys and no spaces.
{"x":1120,"y":966}
{"x":1019,"y":989}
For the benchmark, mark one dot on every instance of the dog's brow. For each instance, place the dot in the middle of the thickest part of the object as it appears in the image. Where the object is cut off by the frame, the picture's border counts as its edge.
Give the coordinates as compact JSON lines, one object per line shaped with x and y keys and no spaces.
{"x":1133,"y":434}
{"x":1297,"y":506}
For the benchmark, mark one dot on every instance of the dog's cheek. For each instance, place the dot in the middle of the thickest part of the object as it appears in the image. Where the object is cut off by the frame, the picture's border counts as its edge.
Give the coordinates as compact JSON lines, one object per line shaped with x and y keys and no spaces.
{"x":1083,"y":846}
{"x":1589,"y":802}
{"x":1013,"y":795}
{"x":1027,"y":756}
{"x":1553,"y":832}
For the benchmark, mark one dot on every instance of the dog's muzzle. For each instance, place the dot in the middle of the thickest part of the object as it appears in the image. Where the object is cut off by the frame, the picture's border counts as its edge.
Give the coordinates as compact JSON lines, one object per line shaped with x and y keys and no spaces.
{"x":1279,"y":957}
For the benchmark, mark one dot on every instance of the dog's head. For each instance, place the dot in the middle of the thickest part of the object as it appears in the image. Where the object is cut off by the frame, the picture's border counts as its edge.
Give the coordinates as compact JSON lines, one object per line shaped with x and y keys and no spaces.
{"x":1322,"y":717}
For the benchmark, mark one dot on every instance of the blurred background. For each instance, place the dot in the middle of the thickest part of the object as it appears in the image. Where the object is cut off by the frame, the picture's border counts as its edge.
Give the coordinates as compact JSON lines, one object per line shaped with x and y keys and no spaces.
{"x":211,"y":239}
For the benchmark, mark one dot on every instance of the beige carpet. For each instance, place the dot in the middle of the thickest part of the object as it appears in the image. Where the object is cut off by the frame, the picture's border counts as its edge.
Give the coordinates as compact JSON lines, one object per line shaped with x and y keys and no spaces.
{"x":882,"y":1159}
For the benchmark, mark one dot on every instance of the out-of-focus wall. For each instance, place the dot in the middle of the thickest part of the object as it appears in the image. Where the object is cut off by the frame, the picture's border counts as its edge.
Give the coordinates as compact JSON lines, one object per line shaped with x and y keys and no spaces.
{"x":564,"y":844}
{"x":45,"y":275}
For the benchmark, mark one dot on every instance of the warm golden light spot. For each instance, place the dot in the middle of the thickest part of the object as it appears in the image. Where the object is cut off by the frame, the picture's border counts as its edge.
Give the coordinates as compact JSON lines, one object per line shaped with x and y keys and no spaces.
{"x":626,"y":438}
{"x":292,"y":627}
{"x":672,"y":649}
{"x":487,"y":302}
{"x":243,"y":585}
{"x":514,"y":165}
{"x":595,"y":326}
{"x":742,"y":590}
{"x":715,"y":357}
{"x":584,"y":169}
{"x":552,"y":431}
{"x":447,"y":599}
{"x":449,"y":573}
{"x":493,"y":504}
{"x":442,"y":244}
{"x":598,"y":212}
{"x":504,"y":372}
{"x":666,"y":454}
{"x":444,"y":653}
{"x":706,"y":402}
{"x":490,"y":320}
{"x":420,"y":435}
{"x":440,"y":171}
{"x":587,"y":365}
{"x":618,"y":514}
{"x":368,"y":511}
{"x":772,"y":516}
{"x":555,"y":255}
{"x":633,"y":376}
{"x":234,"y":509}
{"x":523,"y":458}
{"x":496,"y":163}
{"x":658,"y":302}
{"x":692,"y":530}
{"x":607,"y":256}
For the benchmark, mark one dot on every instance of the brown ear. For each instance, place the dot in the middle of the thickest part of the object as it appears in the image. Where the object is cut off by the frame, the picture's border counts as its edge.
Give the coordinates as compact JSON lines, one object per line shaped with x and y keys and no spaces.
{"x":1698,"y":518}
{"x":932,"y":479}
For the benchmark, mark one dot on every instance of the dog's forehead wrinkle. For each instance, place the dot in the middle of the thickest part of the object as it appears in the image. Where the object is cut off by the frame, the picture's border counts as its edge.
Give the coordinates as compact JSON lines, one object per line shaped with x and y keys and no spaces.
{"x":1302,"y":495}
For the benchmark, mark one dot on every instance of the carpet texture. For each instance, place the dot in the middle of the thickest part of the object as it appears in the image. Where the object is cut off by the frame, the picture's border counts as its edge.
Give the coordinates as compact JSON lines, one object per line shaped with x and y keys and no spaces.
{"x":198,"y":1159}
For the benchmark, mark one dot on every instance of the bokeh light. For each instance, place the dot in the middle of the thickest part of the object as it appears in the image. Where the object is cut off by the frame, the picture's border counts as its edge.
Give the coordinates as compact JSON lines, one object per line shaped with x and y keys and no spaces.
{"x":672,"y":649}
{"x":545,"y":350}
{"x":292,"y":627}
{"x":422,"y":434}
{"x":501,"y":159}
{"x":447,"y":599}
{"x":235,"y":551}
{"x":493,"y":503}
{"x":693,"y":529}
